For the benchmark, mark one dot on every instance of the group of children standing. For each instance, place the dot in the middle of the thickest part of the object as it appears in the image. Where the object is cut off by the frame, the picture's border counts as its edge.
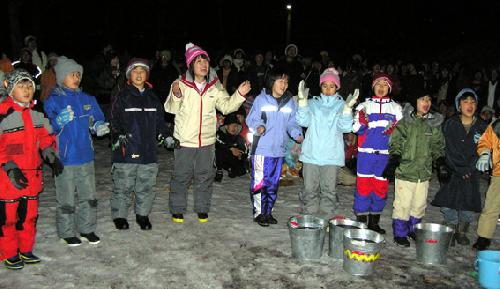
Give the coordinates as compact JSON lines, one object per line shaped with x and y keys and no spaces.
{"x":391,"y":141}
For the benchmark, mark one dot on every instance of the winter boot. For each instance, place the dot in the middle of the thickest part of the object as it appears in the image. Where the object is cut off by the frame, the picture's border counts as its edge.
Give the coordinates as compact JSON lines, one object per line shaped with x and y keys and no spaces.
{"x":219,"y":174}
{"x":202,"y":217}
{"x":271,"y":220}
{"x":121,"y":223}
{"x":14,"y":263}
{"x":72,"y":241}
{"x":261,"y":220}
{"x":91,"y":238}
{"x":178,"y":218}
{"x":29,"y":258}
{"x":362,"y":218}
{"x":143,"y":222}
{"x":402,"y":241}
{"x":461,"y":234}
{"x":482,"y":244}
{"x":373,"y":221}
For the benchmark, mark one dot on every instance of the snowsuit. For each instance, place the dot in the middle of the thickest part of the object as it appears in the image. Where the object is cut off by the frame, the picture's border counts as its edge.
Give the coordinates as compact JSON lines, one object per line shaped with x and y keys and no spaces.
{"x":75,"y":187}
{"x":278,"y":118}
{"x":322,"y":151}
{"x":139,"y":116}
{"x":195,"y":128}
{"x":418,"y":141}
{"x":23,"y":132}
{"x":374,"y":121}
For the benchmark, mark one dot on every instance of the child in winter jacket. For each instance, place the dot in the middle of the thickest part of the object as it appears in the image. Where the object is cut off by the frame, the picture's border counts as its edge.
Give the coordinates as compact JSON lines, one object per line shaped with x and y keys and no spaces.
{"x":459,"y":196}
{"x":74,"y":115}
{"x":271,"y":120}
{"x":488,"y":149}
{"x":136,"y":124}
{"x":374,"y":122}
{"x":23,"y":133}
{"x":327,"y":117}
{"x":194,"y":99}
{"x":416,"y":142}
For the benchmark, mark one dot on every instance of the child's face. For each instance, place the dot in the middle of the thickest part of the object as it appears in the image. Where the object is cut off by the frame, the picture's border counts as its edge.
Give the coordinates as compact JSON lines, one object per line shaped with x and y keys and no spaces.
{"x":280,"y":86}
{"x":328,"y":88}
{"x":72,"y":80}
{"x":381,"y":88}
{"x":200,"y":67}
{"x":423,"y":105}
{"x":232,"y":128}
{"x":138,"y":76}
{"x":23,"y":91}
{"x":468,"y":106}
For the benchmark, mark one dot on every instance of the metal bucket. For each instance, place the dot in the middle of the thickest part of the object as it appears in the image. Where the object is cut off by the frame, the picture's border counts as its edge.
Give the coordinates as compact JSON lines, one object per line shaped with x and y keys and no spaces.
{"x":433,"y":241}
{"x":361,"y":251}
{"x":307,"y":235}
{"x":336,"y":228}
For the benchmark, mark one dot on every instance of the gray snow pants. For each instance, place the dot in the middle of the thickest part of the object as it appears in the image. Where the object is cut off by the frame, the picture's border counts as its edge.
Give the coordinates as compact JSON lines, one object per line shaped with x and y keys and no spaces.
{"x":319,"y":196}
{"x":133,"y":178}
{"x":195,"y":164}
{"x":76,"y":200}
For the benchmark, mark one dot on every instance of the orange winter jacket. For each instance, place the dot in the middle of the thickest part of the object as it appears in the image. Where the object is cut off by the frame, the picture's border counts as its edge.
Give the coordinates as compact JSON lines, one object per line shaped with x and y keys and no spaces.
{"x":489,"y":141}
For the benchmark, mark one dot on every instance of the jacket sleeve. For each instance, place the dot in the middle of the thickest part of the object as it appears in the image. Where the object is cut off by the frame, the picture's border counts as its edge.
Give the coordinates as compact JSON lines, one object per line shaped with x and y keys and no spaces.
{"x":304,"y":115}
{"x":398,"y":139}
{"x":173,"y":103}
{"x":437,"y":144}
{"x":45,"y":137}
{"x":225,"y":103}
{"x":359,"y":127}
{"x":486,"y":141}
{"x":254,"y":118}
{"x":52,"y":110}
{"x":96,"y":110}
{"x":344,"y":123}
{"x":292,"y":127}
{"x":117,"y":110}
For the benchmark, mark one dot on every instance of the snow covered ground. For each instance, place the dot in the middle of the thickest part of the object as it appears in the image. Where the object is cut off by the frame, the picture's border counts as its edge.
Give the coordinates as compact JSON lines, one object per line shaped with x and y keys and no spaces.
{"x":230,"y":251}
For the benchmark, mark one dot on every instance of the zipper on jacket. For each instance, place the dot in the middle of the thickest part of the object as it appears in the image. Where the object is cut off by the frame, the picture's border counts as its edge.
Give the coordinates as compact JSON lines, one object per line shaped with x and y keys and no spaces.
{"x":201,"y":117}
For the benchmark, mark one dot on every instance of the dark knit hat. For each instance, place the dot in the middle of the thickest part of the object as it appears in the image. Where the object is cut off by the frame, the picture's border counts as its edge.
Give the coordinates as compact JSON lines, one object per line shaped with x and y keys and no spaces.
{"x":231,"y":118}
{"x":134,"y":62}
{"x":416,"y":94}
{"x":16,"y":76}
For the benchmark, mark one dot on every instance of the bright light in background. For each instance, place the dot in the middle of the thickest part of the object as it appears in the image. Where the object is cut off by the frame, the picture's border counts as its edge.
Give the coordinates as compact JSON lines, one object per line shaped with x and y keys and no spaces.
{"x":289,"y":6}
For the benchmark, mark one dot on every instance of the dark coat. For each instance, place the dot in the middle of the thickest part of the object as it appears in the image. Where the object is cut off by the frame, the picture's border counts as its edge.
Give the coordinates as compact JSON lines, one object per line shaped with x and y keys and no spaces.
{"x":461,"y":157}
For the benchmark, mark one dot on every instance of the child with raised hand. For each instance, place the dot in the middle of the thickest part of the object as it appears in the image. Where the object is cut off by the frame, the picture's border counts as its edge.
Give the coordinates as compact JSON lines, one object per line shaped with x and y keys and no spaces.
{"x":23,"y":134}
{"x":271,"y":120}
{"x":416,"y":142}
{"x":74,"y":115}
{"x":194,"y":99}
{"x":327,"y":117}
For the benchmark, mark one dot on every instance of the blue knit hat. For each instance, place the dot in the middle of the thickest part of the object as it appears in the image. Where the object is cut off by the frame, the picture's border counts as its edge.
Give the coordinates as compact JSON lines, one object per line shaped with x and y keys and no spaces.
{"x":463,"y":94}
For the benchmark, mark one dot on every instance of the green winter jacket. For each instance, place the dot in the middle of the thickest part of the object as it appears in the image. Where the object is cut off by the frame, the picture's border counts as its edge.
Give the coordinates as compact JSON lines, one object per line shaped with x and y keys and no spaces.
{"x":419,"y":141}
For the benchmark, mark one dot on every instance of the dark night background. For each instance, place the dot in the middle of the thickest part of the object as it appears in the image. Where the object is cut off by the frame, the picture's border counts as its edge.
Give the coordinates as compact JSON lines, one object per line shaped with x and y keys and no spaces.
{"x":379,"y":28}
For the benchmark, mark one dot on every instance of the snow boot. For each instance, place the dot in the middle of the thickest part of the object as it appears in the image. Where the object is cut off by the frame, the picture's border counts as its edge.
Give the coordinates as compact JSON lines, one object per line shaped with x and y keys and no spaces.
{"x":143,"y":222}
{"x":362,"y":219}
{"x":178,"y":218}
{"x":402,"y":241}
{"x":482,"y":244}
{"x":91,"y":238}
{"x":271,"y":220}
{"x":72,"y":241}
{"x":219,"y":174}
{"x":261,"y":220}
{"x":14,"y":263}
{"x":373,"y":221}
{"x":121,"y":223}
{"x":29,"y":258}
{"x":461,"y":234}
{"x":202,"y":217}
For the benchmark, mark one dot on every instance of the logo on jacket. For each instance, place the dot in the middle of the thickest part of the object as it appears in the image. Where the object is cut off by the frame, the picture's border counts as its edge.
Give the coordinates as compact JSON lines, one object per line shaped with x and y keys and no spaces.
{"x":134,"y":156}
{"x":87,"y":107}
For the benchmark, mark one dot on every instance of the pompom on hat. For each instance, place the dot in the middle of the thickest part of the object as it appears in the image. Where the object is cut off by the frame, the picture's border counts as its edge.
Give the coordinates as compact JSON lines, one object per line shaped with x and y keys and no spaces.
{"x":330,"y":74}
{"x":192,"y":51}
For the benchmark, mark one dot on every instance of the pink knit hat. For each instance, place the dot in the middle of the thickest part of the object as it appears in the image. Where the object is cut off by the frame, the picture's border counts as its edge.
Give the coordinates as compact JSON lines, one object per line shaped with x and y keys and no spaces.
{"x":192,"y":51}
{"x":330,"y":74}
{"x":382,"y":77}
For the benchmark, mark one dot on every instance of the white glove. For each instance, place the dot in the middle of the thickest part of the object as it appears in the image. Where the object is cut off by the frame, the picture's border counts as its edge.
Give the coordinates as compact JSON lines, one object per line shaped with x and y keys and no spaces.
{"x":350,"y":102}
{"x":303,"y":94}
{"x":101,"y":128}
{"x":484,"y":162}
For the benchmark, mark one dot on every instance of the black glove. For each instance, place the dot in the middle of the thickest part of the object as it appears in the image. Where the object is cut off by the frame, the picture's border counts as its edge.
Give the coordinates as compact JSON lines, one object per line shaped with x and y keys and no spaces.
{"x":53,"y":161}
{"x":390,"y":169}
{"x":443,"y":171}
{"x":16,"y":176}
{"x":120,"y":143}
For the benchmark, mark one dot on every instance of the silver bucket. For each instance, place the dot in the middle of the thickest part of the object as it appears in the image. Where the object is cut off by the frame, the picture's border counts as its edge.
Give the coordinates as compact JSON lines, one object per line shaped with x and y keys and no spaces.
{"x":307,"y":235}
{"x":336,"y":228}
{"x":361,"y":251}
{"x":433,"y":241}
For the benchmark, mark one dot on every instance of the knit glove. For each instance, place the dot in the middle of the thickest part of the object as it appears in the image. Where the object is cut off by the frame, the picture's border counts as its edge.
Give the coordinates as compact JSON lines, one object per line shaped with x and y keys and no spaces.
{"x":100,"y":128}
{"x":55,"y":164}
{"x":66,"y":115}
{"x":484,"y":162}
{"x":303,"y":93}
{"x":16,"y":176}
{"x":168,"y":142}
{"x":350,"y":102}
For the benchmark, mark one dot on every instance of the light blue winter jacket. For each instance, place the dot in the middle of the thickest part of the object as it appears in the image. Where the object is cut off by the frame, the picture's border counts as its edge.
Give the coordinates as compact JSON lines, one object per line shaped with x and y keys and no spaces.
{"x":325,"y":122}
{"x":279,"y":121}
